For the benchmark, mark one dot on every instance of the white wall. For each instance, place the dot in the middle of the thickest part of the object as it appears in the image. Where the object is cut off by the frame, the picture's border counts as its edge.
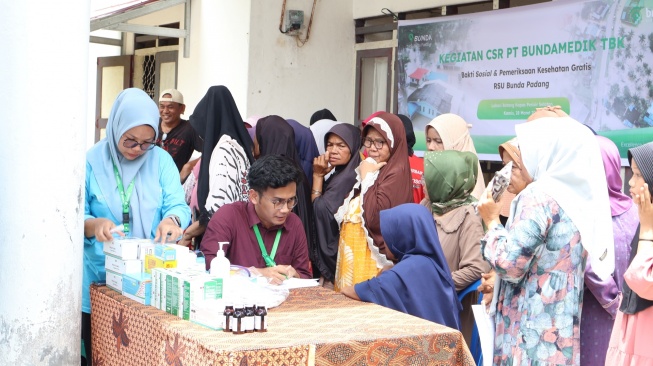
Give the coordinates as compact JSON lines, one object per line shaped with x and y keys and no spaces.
{"x":219,"y":51}
{"x":43,"y":76}
{"x":293,"y":81}
{"x":372,"y":8}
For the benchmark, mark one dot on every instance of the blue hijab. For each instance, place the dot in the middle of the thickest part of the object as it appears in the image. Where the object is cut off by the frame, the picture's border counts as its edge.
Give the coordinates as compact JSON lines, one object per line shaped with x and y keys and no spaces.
{"x":132,"y":108}
{"x":420,"y":284}
{"x":306,"y":148}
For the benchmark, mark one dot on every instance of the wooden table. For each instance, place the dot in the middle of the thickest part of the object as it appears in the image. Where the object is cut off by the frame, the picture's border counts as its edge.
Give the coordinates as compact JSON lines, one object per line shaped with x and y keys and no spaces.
{"x":314,"y":326}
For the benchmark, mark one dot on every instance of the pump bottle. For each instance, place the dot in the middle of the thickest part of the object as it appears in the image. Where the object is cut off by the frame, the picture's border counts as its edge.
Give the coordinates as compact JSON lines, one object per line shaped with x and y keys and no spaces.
{"x":221,"y":268}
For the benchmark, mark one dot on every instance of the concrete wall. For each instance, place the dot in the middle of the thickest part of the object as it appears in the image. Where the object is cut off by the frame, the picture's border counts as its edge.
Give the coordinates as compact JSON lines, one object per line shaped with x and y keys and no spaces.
{"x":44,"y":89}
{"x":294,"y":81}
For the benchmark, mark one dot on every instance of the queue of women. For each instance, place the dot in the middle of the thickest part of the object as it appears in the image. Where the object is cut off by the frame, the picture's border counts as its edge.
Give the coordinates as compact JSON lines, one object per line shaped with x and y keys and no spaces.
{"x":567,"y":277}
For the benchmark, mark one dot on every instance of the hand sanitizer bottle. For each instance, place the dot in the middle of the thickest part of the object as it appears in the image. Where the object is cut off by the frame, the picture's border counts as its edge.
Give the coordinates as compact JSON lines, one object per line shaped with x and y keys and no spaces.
{"x":221,"y":268}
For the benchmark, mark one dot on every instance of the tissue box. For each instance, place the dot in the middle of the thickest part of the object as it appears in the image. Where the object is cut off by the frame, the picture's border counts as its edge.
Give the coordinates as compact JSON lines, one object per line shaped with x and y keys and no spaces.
{"x":122,"y":266}
{"x":138,"y":287}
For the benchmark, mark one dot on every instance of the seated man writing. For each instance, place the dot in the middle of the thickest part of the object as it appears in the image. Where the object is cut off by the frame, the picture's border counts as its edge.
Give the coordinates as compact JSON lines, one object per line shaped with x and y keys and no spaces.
{"x":263,"y":233}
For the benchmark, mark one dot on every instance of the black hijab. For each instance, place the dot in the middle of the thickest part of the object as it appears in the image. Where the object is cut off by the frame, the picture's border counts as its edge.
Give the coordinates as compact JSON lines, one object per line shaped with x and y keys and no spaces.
{"x":276,"y":137}
{"x":334,"y":192}
{"x":322,"y":114}
{"x":643,"y":155}
{"x":215,"y":115}
{"x":410,"y":132}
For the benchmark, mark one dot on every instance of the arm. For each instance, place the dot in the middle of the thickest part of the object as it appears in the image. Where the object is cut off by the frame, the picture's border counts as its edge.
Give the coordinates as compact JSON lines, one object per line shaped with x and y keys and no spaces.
{"x":511,"y":253}
{"x":217,"y":230}
{"x":472,"y":264}
{"x":186,"y":169}
{"x":173,"y":201}
{"x":320,"y":169}
{"x":350,"y":292}
{"x":605,"y":291}
{"x":300,"y":261}
{"x":98,"y":228}
{"x":639,"y":275}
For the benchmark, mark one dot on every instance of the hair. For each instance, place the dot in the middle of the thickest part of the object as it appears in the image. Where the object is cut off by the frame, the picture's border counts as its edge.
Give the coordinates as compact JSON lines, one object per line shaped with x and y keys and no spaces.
{"x":273,"y":171}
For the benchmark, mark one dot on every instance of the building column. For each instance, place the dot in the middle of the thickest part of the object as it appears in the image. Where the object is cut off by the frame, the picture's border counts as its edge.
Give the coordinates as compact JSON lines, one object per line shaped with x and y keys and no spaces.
{"x":43,"y":89}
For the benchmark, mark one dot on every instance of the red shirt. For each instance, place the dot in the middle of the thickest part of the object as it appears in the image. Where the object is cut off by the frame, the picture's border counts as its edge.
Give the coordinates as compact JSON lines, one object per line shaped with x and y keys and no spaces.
{"x":233,"y":223}
{"x":417,"y":172}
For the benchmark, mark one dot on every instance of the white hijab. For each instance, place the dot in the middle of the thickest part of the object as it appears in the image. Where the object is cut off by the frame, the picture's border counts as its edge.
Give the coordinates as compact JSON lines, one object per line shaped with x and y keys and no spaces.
{"x":564,"y":159}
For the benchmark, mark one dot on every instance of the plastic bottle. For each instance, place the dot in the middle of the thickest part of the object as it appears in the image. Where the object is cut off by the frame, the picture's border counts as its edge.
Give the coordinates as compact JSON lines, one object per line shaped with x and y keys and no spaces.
{"x":221,"y":268}
{"x":260,"y":319}
{"x":220,"y":265}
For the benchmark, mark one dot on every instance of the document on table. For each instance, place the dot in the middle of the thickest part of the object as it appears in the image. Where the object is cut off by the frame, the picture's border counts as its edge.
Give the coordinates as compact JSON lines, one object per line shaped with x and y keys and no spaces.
{"x":485,"y":326}
{"x":292,"y":283}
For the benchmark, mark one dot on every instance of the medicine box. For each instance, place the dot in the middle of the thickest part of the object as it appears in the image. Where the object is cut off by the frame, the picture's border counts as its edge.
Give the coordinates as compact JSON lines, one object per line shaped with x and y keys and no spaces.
{"x":165,"y":252}
{"x":152,"y":261}
{"x":114,"y":281}
{"x":138,"y":287}
{"x":122,"y":266}
{"x":122,"y":248}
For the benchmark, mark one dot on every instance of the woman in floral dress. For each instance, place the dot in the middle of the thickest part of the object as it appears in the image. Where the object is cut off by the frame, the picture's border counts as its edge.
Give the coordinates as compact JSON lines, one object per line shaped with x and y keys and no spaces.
{"x":561,"y":210}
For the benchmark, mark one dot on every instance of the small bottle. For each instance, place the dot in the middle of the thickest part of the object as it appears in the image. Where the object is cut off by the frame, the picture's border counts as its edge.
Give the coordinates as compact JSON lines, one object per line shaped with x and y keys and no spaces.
{"x":260,"y":321}
{"x":228,"y":317}
{"x":237,"y":325}
{"x":249,"y":318}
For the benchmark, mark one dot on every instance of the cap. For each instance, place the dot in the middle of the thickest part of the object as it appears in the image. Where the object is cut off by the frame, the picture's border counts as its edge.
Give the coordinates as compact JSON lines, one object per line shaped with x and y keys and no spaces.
{"x":175,"y":96}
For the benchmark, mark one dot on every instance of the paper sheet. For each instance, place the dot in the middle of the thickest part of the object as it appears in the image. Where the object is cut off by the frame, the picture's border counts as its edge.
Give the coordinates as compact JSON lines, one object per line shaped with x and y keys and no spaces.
{"x":485,"y":326}
{"x":292,"y":283}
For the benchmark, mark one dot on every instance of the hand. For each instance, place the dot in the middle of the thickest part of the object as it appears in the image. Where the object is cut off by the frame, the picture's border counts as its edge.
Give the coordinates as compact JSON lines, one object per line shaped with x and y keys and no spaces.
{"x":321,"y":165}
{"x":487,"y":286}
{"x":368,"y":166}
{"x":192,"y":231}
{"x":102,"y":229}
{"x":488,"y":209}
{"x":277,"y":274}
{"x":167,"y":231}
{"x":645,"y":210}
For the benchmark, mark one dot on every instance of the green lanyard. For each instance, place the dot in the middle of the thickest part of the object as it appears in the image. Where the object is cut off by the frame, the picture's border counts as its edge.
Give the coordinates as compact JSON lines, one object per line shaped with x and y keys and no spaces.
{"x":124,"y":198}
{"x":269,"y":259}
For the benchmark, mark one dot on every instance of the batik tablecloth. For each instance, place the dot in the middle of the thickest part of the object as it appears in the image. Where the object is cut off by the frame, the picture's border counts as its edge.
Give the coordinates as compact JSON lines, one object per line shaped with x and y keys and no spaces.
{"x":314,"y":326}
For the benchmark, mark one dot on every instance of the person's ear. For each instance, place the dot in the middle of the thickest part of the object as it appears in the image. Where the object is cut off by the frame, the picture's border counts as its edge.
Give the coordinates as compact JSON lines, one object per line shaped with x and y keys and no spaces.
{"x":253,"y":197}
{"x":183,"y":108}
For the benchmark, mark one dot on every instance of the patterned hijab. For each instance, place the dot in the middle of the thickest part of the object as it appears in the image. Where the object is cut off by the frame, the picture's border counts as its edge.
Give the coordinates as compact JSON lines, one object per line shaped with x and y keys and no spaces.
{"x":216,"y":115}
{"x":450,"y":177}
{"x":454,"y":132}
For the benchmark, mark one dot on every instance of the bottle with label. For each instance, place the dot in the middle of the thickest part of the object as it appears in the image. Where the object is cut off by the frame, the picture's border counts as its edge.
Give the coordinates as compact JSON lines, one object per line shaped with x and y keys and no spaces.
{"x":249,"y":318}
{"x":260,"y":319}
{"x":228,"y":317}
{"x":237,"y":326}
{"x":221,"y":268}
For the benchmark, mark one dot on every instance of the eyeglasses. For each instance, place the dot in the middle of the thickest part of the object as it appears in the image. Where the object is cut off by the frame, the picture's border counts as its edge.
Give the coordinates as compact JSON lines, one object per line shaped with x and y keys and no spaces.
{"x":367,"y":142}
{"x":131,"y":143}
{"x":278,"y":204}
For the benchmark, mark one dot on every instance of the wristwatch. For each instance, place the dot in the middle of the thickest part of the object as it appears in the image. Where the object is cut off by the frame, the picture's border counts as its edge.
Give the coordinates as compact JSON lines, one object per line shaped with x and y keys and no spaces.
{"x":175,"y":219}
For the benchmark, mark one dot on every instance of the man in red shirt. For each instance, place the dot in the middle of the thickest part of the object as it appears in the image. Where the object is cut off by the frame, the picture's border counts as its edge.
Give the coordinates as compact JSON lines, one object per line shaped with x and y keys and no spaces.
{"x":263,"y":233}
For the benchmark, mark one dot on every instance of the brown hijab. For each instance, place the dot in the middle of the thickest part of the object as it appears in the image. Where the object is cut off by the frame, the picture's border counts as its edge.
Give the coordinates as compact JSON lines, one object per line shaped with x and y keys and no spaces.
{"x":393,"y":186}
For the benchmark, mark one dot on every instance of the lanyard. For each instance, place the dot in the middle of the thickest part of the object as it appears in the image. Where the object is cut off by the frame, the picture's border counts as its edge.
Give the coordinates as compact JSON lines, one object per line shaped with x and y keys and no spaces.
{"x":269,"y":259}
{"x":124,"y":198}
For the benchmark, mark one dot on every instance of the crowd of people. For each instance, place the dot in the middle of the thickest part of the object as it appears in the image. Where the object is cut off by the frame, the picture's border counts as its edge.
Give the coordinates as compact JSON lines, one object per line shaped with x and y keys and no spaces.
{"x":565,"y":273}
